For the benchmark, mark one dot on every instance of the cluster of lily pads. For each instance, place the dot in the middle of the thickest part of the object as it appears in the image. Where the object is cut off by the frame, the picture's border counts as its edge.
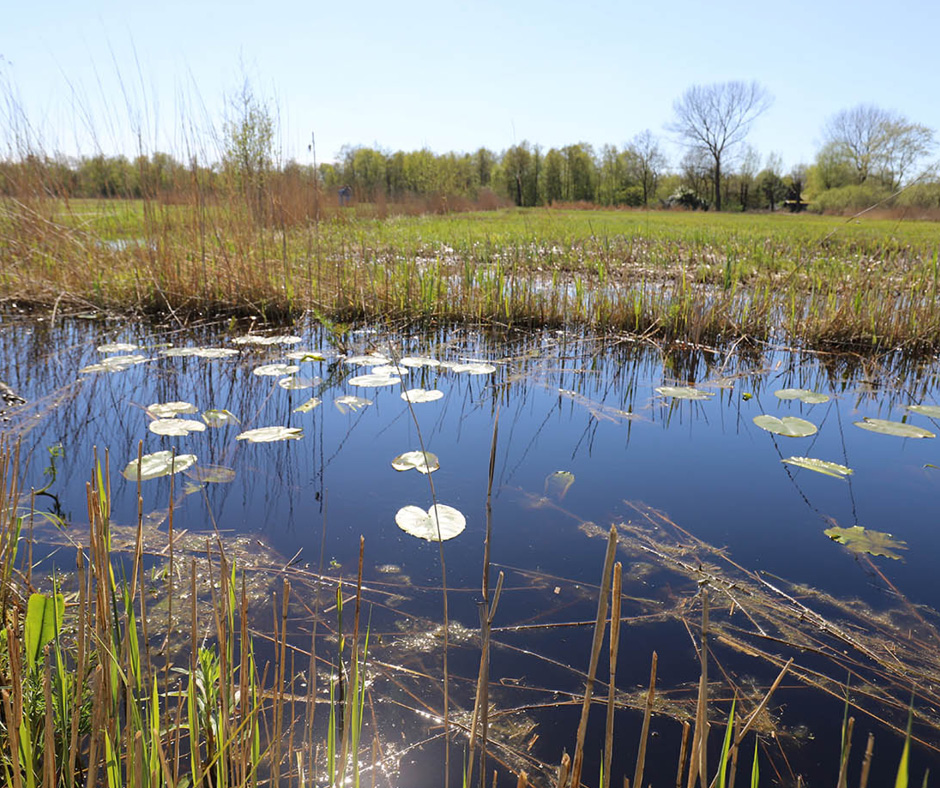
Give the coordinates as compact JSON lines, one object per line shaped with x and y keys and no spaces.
{"x":438,"y":523}
{"x":855,"y":538}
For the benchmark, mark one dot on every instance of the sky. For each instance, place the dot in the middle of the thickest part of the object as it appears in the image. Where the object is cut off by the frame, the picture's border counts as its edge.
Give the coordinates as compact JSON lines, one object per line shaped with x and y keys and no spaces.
{"x":125,"y":76}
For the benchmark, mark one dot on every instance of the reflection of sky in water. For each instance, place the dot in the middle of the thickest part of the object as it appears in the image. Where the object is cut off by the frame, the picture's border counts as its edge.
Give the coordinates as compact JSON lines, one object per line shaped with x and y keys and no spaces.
{"x":702,"y":463}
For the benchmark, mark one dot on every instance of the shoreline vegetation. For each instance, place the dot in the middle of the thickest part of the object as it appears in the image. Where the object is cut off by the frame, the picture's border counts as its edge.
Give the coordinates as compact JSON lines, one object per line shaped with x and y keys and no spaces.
{"x":860,"y":285}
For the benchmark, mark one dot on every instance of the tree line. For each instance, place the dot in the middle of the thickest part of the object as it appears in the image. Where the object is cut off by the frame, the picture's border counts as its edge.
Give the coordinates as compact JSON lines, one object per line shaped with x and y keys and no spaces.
{"x":868,"y":155}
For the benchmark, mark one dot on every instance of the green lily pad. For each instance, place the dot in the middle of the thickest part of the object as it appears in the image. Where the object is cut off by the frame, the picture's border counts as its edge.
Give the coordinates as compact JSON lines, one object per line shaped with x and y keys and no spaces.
{"x":820,"y":466}
{"x":419,"y":361}
{"x":437,"y":524}
{"x":168,"y":410}
{"x":897,"y":428}
{"x":347,"y":403}
{"x":684,"y":392}
{"x":372,"y":360}
{"x":219,"y":418}
{"x":161,"y":463}
{"x":271,"y":434}
{"x":114,"y":364}
{"x":212,"y":474}
{"x":176,"y":427}
{"x":803,"y":395}
{"x":421,"y":395}
{"x":264,"y":341}
{"x":558,"y":483}
{"x":307,"y":355}
{"x":474,"y":368}
{"x":933,"y":411}
{"x":788,"y":426}
{"x":309,"y":405}
{"x":199,"y":352}
{"x":117,"y":347}
{"x":275,"y":370}
{"x":861,"y":540}
{"x":422,"y":462}
{"x":374,"y":381}
{"x":294,"y":383}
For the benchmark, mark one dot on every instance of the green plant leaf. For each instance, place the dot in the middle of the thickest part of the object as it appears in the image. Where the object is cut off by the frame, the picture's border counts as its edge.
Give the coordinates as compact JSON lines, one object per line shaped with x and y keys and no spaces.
{"x":933,"y":411}
{"x":168,"y":410}
{"x":275,"y":370}
{"x":803,"y":395}
{"x":861,"y":540}
{"x":199,"y":352}
{"x":117,"y":347}
{"x":347,"y":403}
{"x":422,"y":462}
{"x":281,"y":339}
{"x":419,"y":361}
{"x":161,"y":463}
{"x":820,"y":466}
{"x":114,"y":364}
{"x":175,"y":427}
{"x":372,"y":360}
{"x":897,"y":428}
{"x":294,"y":383}
{"x":309,"y":405}
{"x":788,"y":426}
{"x":271,"y":434}
{"x":684,"y":392}
{"x":421,"y":395}
{"x":447,"y":522}
{"x":374,"y":381}
{"x":43,"y":619}
{"x":307,"y":355}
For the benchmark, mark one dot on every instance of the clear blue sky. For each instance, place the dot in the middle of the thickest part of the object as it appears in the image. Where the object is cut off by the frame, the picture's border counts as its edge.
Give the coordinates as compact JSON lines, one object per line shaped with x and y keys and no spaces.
{"x":454,"y":76}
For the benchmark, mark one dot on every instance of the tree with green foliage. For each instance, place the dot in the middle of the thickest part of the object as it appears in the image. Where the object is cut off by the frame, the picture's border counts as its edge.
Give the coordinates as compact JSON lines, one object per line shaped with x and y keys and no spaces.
{"x":248,"y":147}
{"x":716,"y":118}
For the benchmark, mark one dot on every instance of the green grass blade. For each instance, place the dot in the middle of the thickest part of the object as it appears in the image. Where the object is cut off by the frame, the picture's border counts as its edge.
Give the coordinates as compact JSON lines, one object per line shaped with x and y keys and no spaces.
{"x":755,"y":772}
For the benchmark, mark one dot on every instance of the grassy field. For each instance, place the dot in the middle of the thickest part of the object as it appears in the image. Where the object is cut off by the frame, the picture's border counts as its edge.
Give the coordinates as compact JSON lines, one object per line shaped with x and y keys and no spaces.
{"x":864,"y":284}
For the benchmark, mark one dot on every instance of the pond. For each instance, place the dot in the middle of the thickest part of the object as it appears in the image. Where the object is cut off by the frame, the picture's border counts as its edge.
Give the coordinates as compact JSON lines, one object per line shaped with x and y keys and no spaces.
{"x":592,"y":432}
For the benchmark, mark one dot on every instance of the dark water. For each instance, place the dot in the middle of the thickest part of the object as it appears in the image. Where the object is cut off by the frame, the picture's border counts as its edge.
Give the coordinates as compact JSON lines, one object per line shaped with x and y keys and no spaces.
{"x":565,"y":403}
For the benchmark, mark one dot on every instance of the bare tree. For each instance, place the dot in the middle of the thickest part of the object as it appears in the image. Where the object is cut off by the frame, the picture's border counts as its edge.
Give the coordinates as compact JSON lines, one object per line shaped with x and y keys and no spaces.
{"x":716,"y":118}
{"x":877,"y":143}
{"x":649,"y":162}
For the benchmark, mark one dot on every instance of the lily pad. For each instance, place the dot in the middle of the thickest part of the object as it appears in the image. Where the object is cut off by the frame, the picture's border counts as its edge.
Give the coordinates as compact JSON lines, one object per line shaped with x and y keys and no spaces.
{"x":117,"y":347}
{"x":161,"y":463}
{"x":788,"y":426}
{"x":168,"y":410}
{"x":861,"y":540}
{"x":419,"y":361}
{"x":114,"y":364}
{"x":422,"y":462}
{"x":199,"y":352}
{"x":558,"y":483}
{"x":347,"y":403}
{"x":271,"y":434}
{"x":474,"y":368}
{"x":820,"y":466}
{"x":803,"y":395}
{"x":293,"y":383}
{"x":282,"y":339}
{"x":307,"y":355}
{"x":374,"y":381}
{"x":390,"y":370}
{"x":684,"y":392}
{"x":372,"y":360}
{"x":176,"y":427}
{"x":275,"y":370}
{"x":437,"y":524}
{"x":933,"y":411}
{"x":897,"y":428}
{"x":421,"y":395}
{"x":213,"y":474}
{"x":219,"y":418}
{"x":309,"y":405}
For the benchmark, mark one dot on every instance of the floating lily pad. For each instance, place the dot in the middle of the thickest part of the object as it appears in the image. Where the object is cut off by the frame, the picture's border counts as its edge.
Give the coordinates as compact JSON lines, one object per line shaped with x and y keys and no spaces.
{"x":114,"y":364}
{"x":558,"y":483}
{"x":422,"y":462}
{"x":199,"y":352}
{"x":684,"y":392}
{"x":168,"y":410}
{"x":437,"y":524}
{"x":271,"y":434}
{"x":176,"y":427}
{"x":117,"y":347}
{"x":419,"y":361}
{"x":293,"y":383}
{"x":861,"y":540}
{"x":283,"y":339}
{"x":820,"y":466}
{"x":309,"y":405}
{"x":212,"y":474}
{"x":390,"y":370}
{"x":374,"y":381}
{"x":933,"y":411}
{"x":347,"y":403}
{"x":897,"y":428}
{"x":275,"y":370}
{"x":803,"y":395}
{"x":474,"y":368}
{"x":306,"y":355}
{"x":161,"y":463}
{"x":421,"y":395}
{"x":372,"y":360}
{"x":788,"y":426}
{"x":219,"y":418}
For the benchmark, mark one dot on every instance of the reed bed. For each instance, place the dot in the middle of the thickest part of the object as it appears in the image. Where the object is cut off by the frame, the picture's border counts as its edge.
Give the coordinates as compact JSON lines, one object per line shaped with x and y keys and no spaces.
{"x":816,"y":282}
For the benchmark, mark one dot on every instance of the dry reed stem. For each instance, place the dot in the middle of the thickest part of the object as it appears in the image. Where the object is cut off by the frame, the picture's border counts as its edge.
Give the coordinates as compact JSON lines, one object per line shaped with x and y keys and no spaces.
{"x":846,"y":752}
{"x":683,"y":751}
{"x":647,"y":715}
{"x":866,"y":761}
{"x":616,"y":599}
